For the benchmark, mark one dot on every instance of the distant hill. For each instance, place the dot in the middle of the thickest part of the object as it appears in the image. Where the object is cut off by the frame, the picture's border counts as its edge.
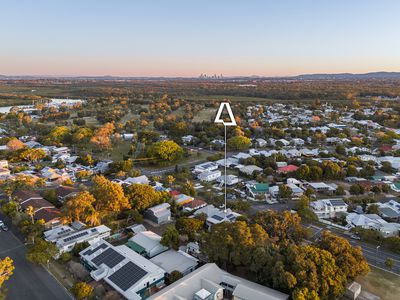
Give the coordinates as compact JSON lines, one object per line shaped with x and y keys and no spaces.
{"x":339,"y":76}
{"x":322,"y":76}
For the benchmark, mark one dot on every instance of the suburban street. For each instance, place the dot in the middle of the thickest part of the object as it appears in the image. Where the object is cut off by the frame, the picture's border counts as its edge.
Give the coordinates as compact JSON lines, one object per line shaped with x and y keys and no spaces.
{"x":375,"y":256}
{"x":29,"y":281}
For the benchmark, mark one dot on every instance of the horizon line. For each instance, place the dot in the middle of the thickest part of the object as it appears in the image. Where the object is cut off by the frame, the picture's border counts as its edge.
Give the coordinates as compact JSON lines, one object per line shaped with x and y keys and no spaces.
{"x":193,"y":76}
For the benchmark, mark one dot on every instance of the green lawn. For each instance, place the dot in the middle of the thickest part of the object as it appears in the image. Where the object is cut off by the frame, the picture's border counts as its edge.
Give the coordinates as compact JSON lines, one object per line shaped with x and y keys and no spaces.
{"x":223,"y":97}
{"x":383,"y":284}
{"x":204,"y":115}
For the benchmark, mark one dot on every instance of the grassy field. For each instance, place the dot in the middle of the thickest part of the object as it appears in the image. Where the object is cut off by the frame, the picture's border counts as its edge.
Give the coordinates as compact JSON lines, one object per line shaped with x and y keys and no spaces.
{"x":223,"y":97}
{"x":205,"y":115}
{"x":383,"y":284}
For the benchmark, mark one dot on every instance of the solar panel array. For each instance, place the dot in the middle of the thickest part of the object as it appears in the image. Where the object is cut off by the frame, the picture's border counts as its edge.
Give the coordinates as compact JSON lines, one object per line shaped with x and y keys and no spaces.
{"x":73,"y":237}
{"x":337,"y":202}
{"x":231,"y":216}
{"x":64,"y":231}
{"x":91,"y":251}
{"x":127,"y":276}
{"x":216,"y":217}
{"x":110,"y":258}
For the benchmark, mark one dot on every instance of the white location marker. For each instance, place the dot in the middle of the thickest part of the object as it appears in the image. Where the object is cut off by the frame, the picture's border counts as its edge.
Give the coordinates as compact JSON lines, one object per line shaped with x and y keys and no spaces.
{"x":232,"y":122}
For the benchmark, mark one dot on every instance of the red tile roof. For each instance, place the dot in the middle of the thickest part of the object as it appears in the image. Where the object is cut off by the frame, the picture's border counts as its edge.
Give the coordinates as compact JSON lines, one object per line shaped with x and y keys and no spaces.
{"x":196,"y":203}
{"x":175,"y":193}
{"x":287,"y":169}
{"x":48,"y":214}
{"x":36,"y":203}
{"x":23,"y":195}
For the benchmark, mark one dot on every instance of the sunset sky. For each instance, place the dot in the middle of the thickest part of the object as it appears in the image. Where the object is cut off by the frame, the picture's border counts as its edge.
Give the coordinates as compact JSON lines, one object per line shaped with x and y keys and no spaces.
{"x":187,"y":38}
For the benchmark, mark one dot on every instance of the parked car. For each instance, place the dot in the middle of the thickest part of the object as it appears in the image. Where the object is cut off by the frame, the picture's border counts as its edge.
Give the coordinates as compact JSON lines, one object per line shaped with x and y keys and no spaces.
{"x":355,"y":237}
{"x":3,"y":226}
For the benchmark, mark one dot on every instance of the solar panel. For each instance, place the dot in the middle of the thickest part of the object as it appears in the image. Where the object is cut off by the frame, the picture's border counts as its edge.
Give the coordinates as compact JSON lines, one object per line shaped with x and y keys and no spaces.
{"x":217,"y":218}
{"x":127,"y":276}
{"x":110,"y":258}
{"x":64,"y":231}
{"x":337,"y":202}
{"x":73,"y":237}
{"x":230,"y":217}
{"x":91,"y":251}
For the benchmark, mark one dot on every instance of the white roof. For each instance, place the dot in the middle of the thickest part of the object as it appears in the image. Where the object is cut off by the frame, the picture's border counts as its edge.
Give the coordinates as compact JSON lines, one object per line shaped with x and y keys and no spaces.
{"x":147,"y":239}
{"x":209,"y":277}
{"x":137,"y":180}
{"x":172,"y":260}
{"x":82,"y":235}
{"x":57,"y":232}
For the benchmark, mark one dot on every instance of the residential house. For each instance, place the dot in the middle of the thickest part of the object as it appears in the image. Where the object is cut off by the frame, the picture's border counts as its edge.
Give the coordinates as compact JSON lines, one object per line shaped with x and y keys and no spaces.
{"x":207,"y":166}
{"x":230,"y":179}
{"x":250,"y":169}
{"x":241,"y":155}
{"x":3,"y":164}
{"x":287,"y":169}
{"x":159,"y":214}
{"x":297,"y":191}
{"x":209,"y":175}
{"x":209,"y":282}
{"x":258,"y":191}
{"x":216,"y":215}
{"x":321,"y":187}
{"x":328,"y":208}
{"x":68,"y":239}
{"x":194,"y":205}
{"x":146,"y":243}
{"x":390,"y":209}
{"x":65,"y":192}
{"x":375,"y":222}
{"x":181,"y":199}
{"x":187,"y":139}
{"x":143,"y":179}
{"x":173,"y":260}
{"x":261,"y":142}
{"x":129,"y":273}
{"x":230,"y":162}
{"x":4,"y":173}
{"x":43,"y":210}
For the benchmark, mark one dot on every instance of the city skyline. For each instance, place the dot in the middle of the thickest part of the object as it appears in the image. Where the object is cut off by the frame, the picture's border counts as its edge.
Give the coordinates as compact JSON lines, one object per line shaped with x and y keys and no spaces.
{"x":180,"y":39}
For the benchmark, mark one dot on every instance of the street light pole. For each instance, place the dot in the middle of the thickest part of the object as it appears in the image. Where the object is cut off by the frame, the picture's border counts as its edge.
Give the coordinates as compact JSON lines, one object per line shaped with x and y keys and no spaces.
{"x":376,"y":255}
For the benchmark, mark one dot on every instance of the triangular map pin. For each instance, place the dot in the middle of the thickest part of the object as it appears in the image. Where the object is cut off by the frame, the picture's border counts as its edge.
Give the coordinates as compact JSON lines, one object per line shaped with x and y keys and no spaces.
{"x":218,"y":118}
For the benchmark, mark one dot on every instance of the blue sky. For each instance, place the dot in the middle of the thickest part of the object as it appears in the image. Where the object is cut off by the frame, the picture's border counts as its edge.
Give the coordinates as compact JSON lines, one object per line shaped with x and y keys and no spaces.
{"x":186,"y":38}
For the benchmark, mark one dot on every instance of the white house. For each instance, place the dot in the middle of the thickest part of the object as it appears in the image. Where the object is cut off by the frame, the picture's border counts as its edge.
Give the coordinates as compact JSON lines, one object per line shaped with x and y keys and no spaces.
{"x":65,"y":243}
{"x":146,"y":243}
{"x":187,"y":139}
{"x":373,"y":221}
{"x":261,"y":142}
{"x":207,"y":166}
{"x":211,"y":283}
{"x":129,"y":273}
{"x":321,"y":187}
{"x":209,"y":175}
{"x":230,"y":179}
{"x":328,"y":208}
{"x":250,"y":169}
{"x":143,"y":179}
{"x":172,"y":260}
{"x":159,"y":214}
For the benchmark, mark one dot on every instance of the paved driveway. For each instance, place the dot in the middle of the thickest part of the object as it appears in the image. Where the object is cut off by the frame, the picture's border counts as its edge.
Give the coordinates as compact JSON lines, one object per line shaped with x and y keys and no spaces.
{"x":29,"y":281}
